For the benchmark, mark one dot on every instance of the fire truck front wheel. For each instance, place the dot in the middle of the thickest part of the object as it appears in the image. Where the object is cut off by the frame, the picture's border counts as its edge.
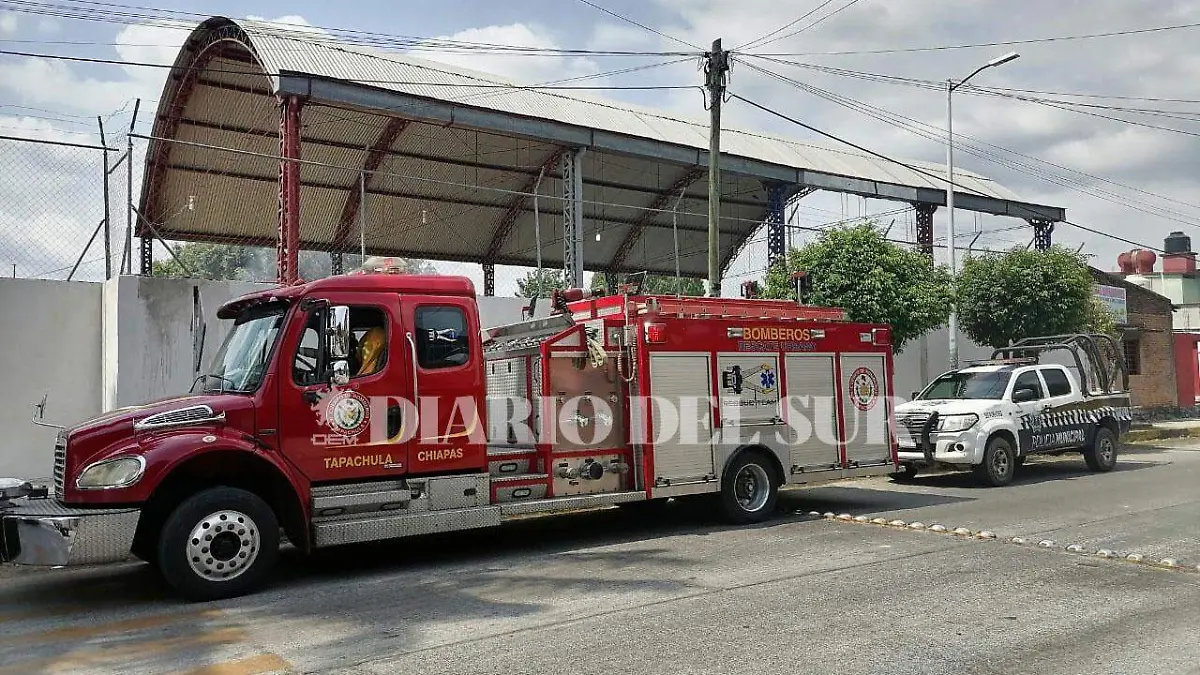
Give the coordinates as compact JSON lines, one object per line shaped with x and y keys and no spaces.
{"x":219,"y":543}
{"x":750,"y":490}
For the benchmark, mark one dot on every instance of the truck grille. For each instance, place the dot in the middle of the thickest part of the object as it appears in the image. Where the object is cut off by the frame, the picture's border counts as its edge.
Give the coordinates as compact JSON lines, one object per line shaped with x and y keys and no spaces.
{"x":909,"y":431}
{"x":60,"y":463}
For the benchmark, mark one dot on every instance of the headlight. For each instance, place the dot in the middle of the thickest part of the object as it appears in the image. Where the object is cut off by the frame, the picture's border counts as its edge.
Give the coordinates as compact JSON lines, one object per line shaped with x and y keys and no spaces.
{"x":112,"y":473}
{"x":957,"y":422}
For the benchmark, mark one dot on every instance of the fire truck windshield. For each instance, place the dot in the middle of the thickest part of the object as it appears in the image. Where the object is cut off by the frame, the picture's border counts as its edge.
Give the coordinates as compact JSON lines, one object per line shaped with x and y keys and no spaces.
{"x":241,"y":362}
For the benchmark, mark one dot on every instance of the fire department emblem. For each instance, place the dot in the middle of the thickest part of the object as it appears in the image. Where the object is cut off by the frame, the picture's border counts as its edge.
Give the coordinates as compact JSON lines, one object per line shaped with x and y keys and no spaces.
{"x":864,"y":389}
{"x":343,"y":411}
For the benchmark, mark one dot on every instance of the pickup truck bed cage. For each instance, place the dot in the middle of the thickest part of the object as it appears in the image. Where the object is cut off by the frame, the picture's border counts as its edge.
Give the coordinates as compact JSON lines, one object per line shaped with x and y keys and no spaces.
{"x":1105,"y":372}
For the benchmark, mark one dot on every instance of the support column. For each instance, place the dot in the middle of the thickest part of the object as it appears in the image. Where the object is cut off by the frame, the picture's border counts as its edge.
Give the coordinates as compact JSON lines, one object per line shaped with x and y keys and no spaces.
{"x":147,"y":246}
{"x":336,"y":263}
{"x":776,"y":239}
{"x":288,"y":248}
{"x":925,"y":228}
{"x":1042,"y":231}
{"x":571,"y":166}
{"x":489,"y":279}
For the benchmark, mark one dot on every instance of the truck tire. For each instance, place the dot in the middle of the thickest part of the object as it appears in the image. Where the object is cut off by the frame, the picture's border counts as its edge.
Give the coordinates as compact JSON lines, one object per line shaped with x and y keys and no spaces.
{"x":999,"y":463}
{"x":219,"y":543}
{"x":750,"y":490}
{"x":1101,"y":455}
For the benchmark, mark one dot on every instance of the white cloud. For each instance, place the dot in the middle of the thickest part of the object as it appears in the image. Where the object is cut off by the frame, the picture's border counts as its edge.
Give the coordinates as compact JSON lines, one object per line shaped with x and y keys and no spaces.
{"x":8,"y":23}
{"x":47,"y":26}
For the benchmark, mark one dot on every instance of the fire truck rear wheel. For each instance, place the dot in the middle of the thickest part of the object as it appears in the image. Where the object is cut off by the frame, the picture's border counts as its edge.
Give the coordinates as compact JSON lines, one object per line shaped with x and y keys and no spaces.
{"x":219,"y":543}
{"x":750,"y":490}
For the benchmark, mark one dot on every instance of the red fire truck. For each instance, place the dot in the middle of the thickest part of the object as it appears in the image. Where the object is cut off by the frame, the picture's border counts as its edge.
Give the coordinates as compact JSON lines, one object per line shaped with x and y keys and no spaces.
{"x":371,"y":406}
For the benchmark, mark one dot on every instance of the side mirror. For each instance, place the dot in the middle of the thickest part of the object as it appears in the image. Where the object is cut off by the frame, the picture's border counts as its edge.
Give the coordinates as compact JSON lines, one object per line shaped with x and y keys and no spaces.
{"x":340,"y":374}
{"x":1023,"y":395}
{"x":337,"y":332}
{"x":914,"y":396}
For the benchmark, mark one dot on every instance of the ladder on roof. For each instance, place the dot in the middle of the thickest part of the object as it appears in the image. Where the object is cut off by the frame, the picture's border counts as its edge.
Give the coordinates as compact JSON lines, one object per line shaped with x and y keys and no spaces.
{"x":739,"y":309}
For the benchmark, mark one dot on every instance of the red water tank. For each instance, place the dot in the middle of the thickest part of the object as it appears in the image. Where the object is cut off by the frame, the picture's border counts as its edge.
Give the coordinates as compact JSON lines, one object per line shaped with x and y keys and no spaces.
{"x":1125,"y":263}
{"x":1143,"y":261}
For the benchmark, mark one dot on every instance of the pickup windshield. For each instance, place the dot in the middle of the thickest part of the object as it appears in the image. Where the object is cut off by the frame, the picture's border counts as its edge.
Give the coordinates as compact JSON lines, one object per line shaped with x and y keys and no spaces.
{"x":970,"y":384}
{"x":240,"y":363}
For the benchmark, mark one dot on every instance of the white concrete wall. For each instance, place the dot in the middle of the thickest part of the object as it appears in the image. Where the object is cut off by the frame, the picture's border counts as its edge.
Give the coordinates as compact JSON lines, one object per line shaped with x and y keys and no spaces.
{"x":927,"y":357}
{"x":50,"y":344}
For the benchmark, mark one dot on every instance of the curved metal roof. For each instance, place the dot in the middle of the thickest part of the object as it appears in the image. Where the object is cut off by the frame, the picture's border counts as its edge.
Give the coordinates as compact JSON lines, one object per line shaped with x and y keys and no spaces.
{"x":450,"y":158}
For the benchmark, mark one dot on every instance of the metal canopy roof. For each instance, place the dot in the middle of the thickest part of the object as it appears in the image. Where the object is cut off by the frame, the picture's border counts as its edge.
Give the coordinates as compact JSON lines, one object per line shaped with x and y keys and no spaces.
{"x":449,"y":161}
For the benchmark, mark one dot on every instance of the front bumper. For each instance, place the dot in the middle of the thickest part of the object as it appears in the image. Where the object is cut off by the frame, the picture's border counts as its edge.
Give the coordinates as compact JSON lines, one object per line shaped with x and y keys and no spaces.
{"x":947,"y":448}
{"x":46,"y":532}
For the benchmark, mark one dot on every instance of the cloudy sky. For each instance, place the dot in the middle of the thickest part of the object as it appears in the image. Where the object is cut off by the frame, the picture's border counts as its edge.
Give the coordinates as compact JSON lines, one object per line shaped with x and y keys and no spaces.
{"x":1109,"y":130}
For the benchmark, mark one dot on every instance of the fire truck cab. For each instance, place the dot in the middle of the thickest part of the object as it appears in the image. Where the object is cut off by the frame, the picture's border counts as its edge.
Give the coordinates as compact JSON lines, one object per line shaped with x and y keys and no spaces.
{"x":371,"y":406}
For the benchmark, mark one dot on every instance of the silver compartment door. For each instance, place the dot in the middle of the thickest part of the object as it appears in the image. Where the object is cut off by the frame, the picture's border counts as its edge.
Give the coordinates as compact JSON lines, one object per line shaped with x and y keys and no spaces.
{"x":865,"y":409}
{"x":682,"y":451}
{"x":812,"y":397}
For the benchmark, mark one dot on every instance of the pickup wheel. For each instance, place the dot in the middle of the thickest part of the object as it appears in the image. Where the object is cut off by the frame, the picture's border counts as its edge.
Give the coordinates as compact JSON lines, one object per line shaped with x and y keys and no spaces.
{"x":999,"y":463}
{"x":1101,"y":455}
{"x":219,"y":543}
{"x":751,"y":490}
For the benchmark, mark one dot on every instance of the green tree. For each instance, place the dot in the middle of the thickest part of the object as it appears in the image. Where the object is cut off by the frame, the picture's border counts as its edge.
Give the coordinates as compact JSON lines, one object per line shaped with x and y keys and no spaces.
{"x":874,"y":280}
{"x":1009,"y":295}
{"x":541,"y":283}
{"x":655,"y":284}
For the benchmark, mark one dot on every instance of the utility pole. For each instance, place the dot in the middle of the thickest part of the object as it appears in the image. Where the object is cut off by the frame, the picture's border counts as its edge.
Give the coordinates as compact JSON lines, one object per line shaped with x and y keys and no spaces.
{"x":715,"y":67}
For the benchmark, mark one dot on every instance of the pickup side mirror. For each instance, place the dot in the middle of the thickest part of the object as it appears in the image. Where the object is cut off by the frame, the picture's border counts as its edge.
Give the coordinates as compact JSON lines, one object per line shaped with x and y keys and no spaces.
{"x":914,"y":396}
{"x":1024,"y":395}
{"x":337,"y":336}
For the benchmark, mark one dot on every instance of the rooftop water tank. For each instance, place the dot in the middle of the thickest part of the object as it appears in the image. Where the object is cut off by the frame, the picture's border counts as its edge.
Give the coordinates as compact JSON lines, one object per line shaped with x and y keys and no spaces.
{"x":1177,"y":242}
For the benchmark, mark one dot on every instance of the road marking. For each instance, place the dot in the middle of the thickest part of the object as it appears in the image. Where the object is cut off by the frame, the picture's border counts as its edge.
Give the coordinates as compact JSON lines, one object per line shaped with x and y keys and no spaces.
{"x":126,"y":625}
{"x":255,"y":665}
{"x":123,"y":652}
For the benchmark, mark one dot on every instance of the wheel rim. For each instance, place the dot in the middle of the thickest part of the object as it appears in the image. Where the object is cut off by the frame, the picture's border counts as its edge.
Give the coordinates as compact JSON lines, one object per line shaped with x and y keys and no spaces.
{"x":223,"y":545}
{"x":1107,"y":450}
{"x":1001,"y":462}
{"x":752,"y":487}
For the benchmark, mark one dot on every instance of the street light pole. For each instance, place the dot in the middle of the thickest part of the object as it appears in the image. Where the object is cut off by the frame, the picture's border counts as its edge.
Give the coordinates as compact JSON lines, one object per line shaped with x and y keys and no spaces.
{"x":952,"y":342}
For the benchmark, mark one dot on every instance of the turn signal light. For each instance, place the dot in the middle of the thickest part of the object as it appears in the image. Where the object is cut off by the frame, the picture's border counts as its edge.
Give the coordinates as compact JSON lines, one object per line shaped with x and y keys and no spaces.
{"x":656,"y":333}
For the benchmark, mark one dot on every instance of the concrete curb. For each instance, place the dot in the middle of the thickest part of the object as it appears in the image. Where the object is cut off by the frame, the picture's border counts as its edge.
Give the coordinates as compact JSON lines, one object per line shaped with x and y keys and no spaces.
{"x":1168,"y":563}
{"x":1160,"y":433}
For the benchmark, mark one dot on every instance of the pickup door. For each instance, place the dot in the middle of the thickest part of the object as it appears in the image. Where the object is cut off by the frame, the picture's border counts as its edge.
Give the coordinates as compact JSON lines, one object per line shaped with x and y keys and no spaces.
{"x":1063,"y":423}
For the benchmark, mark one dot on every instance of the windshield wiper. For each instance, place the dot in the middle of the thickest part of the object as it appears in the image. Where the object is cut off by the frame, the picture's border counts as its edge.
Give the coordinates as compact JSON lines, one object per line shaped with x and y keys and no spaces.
{"x":204,"y":377}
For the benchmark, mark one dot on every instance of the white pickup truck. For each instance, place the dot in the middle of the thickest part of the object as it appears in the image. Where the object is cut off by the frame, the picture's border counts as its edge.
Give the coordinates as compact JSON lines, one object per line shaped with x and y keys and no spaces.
{"x":991,"y":415}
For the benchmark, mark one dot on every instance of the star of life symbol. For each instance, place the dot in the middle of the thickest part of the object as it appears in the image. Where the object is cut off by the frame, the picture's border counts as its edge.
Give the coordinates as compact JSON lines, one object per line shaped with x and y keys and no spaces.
{"x":767,"y":379}
{"x":341,"y":410}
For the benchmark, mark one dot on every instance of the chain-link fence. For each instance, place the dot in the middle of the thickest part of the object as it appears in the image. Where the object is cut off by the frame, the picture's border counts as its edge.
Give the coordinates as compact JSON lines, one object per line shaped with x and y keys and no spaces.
{"x":58,"y":217}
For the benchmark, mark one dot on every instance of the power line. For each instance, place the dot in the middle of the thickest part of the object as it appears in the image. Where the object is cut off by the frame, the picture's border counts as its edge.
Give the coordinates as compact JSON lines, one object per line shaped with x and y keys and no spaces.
{"x":639,"y":25}
{"x":910,"y":167}
{"x":804,"y":28}
{"x":784,"y":27}
{"x":938,"y":135}
{"x":1005,"y":43}
{"x":113,"y":13}
{"x":481,"y":85}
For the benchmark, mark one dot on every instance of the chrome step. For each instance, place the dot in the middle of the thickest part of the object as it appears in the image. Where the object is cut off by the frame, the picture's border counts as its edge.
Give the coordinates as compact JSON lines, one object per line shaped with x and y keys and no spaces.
{"x":356,"y":488}
{"x":569,"y":503}
{"x":389,"y":526}
{"x":520,"y":487}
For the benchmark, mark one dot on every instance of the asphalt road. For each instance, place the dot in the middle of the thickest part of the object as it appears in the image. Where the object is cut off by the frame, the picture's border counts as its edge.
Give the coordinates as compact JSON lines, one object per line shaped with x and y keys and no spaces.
{"x":611,"y":592}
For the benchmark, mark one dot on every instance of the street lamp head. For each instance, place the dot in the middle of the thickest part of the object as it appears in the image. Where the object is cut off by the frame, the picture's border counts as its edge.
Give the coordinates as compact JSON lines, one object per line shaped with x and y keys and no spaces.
{"x":1001,"y":60}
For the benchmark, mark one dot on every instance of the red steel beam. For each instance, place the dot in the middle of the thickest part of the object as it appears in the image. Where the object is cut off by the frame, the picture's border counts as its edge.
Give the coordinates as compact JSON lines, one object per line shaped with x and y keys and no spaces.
{"x":652,"y":211}
{"x":379,"y":151}
{"x":517,"y":206}
{"x":288,"y":251}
